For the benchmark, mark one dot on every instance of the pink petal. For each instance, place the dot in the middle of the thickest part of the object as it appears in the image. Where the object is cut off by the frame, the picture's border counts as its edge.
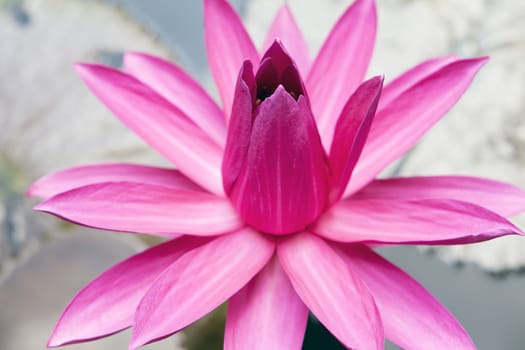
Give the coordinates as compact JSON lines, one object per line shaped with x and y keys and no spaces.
{"x":351,"y":132}
{"x":240,"y":127}
{"x":499,"y":197}
{"x":108,"y":303}
{"x":398,"y":126}
{"x":198,"y":282}
{"x":283,"y":185}
{"x":181,"y":90}
{"x":285,"y":28}
{"x":144,"y":208}
{"x":159,"y":123}
{"x":228,"y":45}
{"x":411,"y":77}
{"x":426,"y":221}
{"x":334,"y":293}
{"x":341,"y":65}
{"x":412,"y":317}
{"x":80,"y":176}
{"x":266,"y":314}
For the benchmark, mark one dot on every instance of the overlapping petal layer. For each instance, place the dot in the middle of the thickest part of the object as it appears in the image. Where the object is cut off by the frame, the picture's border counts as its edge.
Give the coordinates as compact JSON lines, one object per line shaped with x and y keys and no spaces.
{"x":499,"y":197}
{"x":181,"y":90}
{"x":285,"y":29}
{"x":423,"y":221}
{"x":341,"y":65}
{"x":108,"y":303}
{"x":411,"y":77}
{"x":412,"y":318}
{"x":266,"y":314}
{"x":198,"y":282}
{"x":165,"y":127}
{"x":228,"y":45}
{"x":144,"y":208}
{"x":334,"y":293}
{"x":400,"y":124}
{"x":80,"y":176}
{"x":350,"y":134}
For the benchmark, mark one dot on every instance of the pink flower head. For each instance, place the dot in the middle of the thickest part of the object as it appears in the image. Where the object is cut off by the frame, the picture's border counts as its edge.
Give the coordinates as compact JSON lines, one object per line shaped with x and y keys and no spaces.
{"x":274,"y":203}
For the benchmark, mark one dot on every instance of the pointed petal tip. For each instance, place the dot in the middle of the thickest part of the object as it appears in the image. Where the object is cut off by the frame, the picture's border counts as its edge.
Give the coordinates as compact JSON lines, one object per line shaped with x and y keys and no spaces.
{"x":83,"y":68}
{"x":474,"y":62}
{"x":53,"y":343}
{"x":482,"y":59}
{"x":285,"y":9}
{"x":135,"y":342}
{"x":278,"y":42}
{"x":365,"y":3}
{"x":377,"y":81}
{"x":42,"y":207}
{"x":132,"y":56}
{"x":57,"y":339}
{"x":88,"y":71}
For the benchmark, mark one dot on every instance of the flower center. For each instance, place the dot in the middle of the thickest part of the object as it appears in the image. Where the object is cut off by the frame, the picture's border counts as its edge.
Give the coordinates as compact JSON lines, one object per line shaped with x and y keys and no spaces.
{"x":274,"y":169}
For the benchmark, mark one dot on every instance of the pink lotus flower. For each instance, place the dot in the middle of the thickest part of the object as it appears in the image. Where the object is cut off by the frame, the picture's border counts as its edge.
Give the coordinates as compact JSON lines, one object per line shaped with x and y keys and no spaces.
{"x":274,"y":206}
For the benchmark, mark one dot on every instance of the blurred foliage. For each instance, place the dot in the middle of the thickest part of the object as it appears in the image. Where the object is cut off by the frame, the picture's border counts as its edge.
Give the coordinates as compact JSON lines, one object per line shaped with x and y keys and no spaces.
{"x":208,"y":332}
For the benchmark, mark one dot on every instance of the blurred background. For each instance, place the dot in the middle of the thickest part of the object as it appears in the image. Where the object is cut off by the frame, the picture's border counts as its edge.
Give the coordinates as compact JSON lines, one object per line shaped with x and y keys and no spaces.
{"x":49,"y":121}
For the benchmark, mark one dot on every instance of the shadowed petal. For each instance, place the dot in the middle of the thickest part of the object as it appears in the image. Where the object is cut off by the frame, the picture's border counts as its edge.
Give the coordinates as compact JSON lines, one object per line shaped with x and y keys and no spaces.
{"x":144,"y":208}
{"x":228,"y":45}
{"x":285,"y":28}
{"x":158,"y":122}
{"x":499,"y":197}
{"x":80,"y":176}
{"x":398,"y":126}
{"x":411,"y":77}
{"x":350,"y":134}
{"x":266,"y":314}
{"x":335,"y":295}
{"x":181,"y":90}
{"x":341,"y":65}
{"x":283,"y":185}
{"x":108,"y":303}
{"x":198,"y":282}
{"x":426,"y":221}
{"x":412,"y":317}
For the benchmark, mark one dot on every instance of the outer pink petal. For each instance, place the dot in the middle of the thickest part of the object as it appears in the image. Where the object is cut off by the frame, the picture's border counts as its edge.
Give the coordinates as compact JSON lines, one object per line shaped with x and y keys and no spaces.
{"x":398,"y":126}
{"x":412,"y":317}
{"x":426,"y":221}
{"x":335,"y":295}
{"x":79,"y":176}
{"x":199,"y":282}
{"x":341,"y":65}
{"x":285,"y":28}
{"x":266,"y":314}
{"x":181,"y":90}
{"x":499,"y":197}
{"x":228,"y":45}
{"x":108,"y":303}
{"x":350,"y":134}
{"x":163,"y":126}
{"x":144,"y":208}
{"x":411,"y":77}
